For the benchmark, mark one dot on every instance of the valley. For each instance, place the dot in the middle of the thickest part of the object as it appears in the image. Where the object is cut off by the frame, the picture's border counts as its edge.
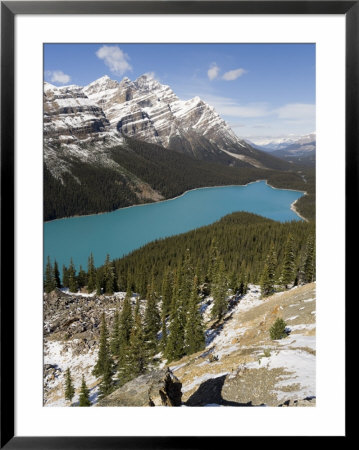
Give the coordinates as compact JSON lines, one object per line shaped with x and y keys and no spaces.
{"x":179,"y":257}
{"x":114,"y":144}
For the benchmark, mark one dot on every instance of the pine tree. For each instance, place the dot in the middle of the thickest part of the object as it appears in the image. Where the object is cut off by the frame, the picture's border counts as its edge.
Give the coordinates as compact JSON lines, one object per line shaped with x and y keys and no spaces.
{"x":57,"y":275}
{"x":126,"y":319}
{"x":65,"y":276}
{"x":49,"y":282}
{"x":166,"y":292}
{"x":72,"y":277}
{"x":91,"y":274}
{"x":104,"y":360}
{"x":163,"y":332}
{"x":84,"y":399}
{"x":152,"y":323}
{"x":233,"y":282}
{"x":106,"y":384}
{"x":186,"y":278}
{"x":268,"y":275}
{"x":194,"y":331}
{"x":277,"y":330}
{"x":175,"y":348}
{"x":213,"y":255}
{"x":126,"y":324}
{"x":287,"y":276}
{"x":309,"y":264}
{"x":109,"y":276}
{"x":69,"y":388}
{"x":81,"y":278}
{"x":99,"y":282}
{"x":115,"y":336}
{"x":137,"y":359}
{"x":219,"y":291}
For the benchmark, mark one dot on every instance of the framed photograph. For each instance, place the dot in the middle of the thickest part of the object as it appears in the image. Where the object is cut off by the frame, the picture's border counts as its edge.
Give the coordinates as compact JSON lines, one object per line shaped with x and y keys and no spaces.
{"x":175,"y":182}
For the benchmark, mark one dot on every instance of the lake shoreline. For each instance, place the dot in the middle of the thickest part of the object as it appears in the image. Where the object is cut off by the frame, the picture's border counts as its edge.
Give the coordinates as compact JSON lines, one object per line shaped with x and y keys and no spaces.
{"x":292,"y":207}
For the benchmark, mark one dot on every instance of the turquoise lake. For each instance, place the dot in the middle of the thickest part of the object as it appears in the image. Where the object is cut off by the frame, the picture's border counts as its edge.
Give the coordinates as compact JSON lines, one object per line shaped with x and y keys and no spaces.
{"x":124,"y":230}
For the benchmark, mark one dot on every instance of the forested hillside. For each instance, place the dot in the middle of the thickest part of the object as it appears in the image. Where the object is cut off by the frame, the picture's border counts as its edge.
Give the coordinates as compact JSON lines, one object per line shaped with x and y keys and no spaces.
{"x":242,"y":240}
{"x":143,"y":172}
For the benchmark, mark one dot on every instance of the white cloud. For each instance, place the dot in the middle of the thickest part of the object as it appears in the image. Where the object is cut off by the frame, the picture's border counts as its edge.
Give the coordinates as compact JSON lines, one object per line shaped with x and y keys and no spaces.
{"x":296,"y":111}
{"x":114,"y":58}
{"x":213,"y":71}
{"x":57,"y":76}
{"x":233,"y":74}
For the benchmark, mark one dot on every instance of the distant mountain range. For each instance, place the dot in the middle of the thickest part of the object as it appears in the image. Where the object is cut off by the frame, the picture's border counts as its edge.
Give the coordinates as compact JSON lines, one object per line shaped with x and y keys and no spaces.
{"x":299,"y":149}
{"x":94,"y":136}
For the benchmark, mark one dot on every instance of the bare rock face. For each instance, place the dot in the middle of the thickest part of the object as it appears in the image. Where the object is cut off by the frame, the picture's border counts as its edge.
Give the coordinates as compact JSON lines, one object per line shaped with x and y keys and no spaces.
{"x":157,"y":388}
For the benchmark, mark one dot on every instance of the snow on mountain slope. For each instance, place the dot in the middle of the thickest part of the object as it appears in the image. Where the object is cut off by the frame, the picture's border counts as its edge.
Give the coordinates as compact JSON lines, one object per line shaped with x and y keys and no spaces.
{"x":241,"y":365}
{"x":150,"y":111}
{"x":302,"y":143}
{"x":104,"y":111}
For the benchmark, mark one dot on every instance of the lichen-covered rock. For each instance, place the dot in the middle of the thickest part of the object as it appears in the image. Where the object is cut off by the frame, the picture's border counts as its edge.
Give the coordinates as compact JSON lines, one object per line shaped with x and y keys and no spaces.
{"x":157,"y":388}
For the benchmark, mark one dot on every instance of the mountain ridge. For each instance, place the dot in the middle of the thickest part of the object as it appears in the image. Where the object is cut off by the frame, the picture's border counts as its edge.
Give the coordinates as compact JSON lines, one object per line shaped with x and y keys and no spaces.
{"x":90,"y":134}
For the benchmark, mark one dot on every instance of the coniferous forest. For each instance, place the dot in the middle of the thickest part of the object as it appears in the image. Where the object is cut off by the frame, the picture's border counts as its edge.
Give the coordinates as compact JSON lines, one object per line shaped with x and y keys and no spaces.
{"x":224,"y":314}
{"x":174,"y":275}
{"x":92,"y":189}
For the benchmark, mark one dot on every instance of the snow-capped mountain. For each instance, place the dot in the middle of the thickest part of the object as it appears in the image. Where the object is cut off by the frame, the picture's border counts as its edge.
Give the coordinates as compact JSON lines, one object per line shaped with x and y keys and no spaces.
{"x":150,"y":111}
{"x":82,"y":120}
{"x":294,"y":144}
{"x":112,"y":144}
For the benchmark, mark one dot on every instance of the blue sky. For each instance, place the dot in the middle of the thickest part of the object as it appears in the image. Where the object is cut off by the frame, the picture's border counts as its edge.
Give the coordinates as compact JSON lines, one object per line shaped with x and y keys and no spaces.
{"x":261,"y":90}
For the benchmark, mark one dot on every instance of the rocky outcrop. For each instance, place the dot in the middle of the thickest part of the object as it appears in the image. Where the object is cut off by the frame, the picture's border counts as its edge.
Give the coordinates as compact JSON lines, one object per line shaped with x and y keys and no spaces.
{"x":76,"y":319}
{"x":157,"y":388}
{"x":106,"y":110}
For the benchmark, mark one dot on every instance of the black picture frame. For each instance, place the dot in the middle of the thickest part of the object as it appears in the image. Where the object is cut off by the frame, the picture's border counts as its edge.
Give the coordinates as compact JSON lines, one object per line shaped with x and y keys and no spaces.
{"x":8,"y":12}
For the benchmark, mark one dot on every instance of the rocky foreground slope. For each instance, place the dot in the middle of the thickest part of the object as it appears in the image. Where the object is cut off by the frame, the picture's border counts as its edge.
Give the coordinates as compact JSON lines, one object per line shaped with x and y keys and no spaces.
{"x":240,"y":365}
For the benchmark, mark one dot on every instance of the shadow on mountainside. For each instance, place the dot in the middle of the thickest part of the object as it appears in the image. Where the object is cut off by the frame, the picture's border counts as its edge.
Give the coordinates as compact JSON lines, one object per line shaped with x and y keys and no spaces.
{"x":210,"y":393}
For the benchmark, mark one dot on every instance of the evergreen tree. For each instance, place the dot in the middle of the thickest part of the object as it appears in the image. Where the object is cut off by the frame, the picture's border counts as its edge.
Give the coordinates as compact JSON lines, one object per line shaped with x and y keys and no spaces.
{"x":69,"y":388}
{"x":65,"y":276}
{"x":152,"y":323}
{"x":81,"y":278}
{"x":106,"y":384}
{"x":175,"y":348}
{"x":194,"y":331}
{"x":49,"y":282}
{"x":104,"y":361}
{"x":233,"y":282}
{"x":137,"y":359}
{"x":309,"y":264}
{"x":126,"y":324}
{"x":287,"y":276}
{"x":91,"y":274}
{"x":277,"y":330}
{"x":213,"y":255}
{"x":219,"y":291}
{"x":115,"y":336}
{"x":164,"y":332}
{"x":268,"y":275}
{"x":126,"y":319}
{"x":109,"y":276}
{"x":186,"y":278}
{"x":243,"y":288}
{"x":166,"y":292}
{"x":57,"y":275}
{"x":84,"y":399}
{"x":72,"y":277}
